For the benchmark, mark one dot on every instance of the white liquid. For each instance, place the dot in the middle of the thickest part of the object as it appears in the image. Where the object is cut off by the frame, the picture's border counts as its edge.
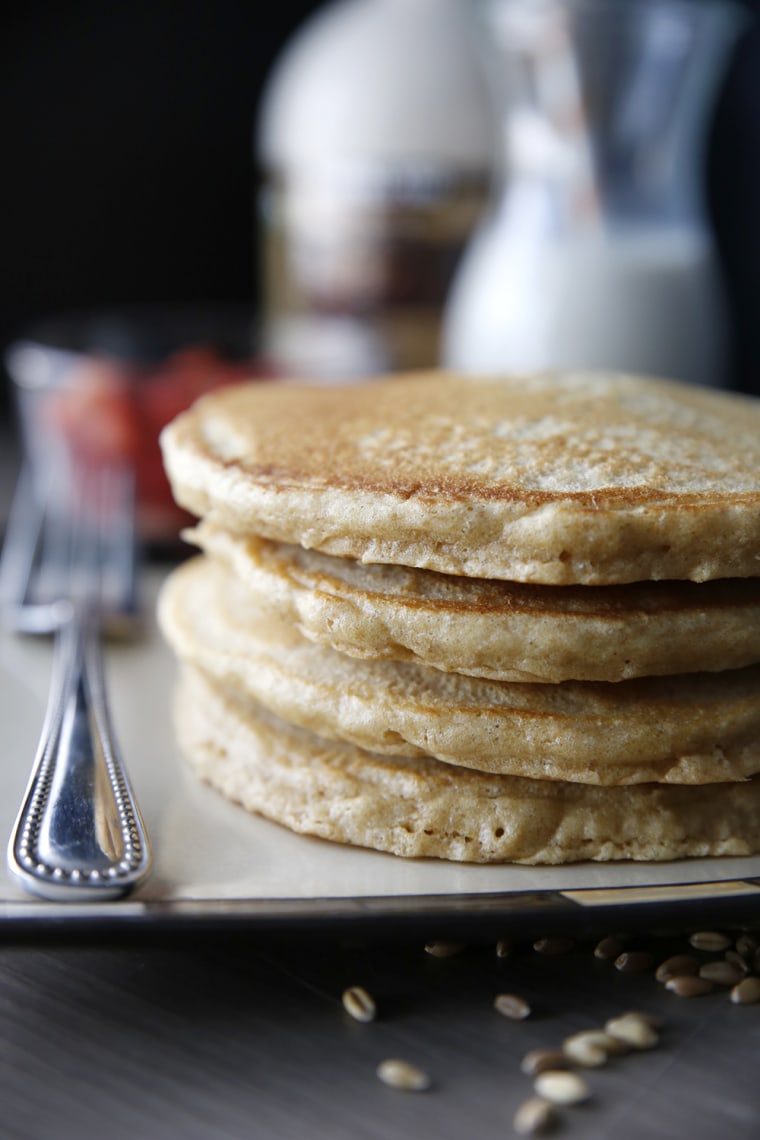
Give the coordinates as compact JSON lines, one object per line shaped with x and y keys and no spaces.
{"x":644,"y":300}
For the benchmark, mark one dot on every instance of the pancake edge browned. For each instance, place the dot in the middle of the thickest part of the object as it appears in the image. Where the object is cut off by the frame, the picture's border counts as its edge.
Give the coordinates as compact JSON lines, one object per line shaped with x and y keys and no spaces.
{"x":686,"y":729}
{"x":424,"y":809}
{"x":468,"y":527}
{"x":496,"y":629}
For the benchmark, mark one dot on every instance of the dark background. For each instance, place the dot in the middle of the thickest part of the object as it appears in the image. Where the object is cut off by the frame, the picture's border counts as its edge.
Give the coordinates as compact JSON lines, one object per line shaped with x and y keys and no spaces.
{"x":127,"y":149}
{"x":127,"y":165}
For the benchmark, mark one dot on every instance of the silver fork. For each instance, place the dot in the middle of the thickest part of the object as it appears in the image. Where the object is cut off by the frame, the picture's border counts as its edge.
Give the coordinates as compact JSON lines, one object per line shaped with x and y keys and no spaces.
{"x":68,"y":568}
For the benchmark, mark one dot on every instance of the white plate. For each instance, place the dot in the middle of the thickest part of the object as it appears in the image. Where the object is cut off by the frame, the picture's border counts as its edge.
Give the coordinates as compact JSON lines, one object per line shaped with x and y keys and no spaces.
{"x":216,"y":864}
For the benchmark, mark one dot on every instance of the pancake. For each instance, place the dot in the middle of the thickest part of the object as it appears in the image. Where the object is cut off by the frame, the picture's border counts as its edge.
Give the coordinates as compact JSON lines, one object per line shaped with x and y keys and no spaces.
{"x":561,"y":479}
{"x":506,"y":631}
{"x":688,"y":729}
{"x":423,"y":808}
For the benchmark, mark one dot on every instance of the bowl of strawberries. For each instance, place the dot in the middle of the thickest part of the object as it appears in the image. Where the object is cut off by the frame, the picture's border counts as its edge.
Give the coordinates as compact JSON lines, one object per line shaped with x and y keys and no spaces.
{"x":100,"y":386}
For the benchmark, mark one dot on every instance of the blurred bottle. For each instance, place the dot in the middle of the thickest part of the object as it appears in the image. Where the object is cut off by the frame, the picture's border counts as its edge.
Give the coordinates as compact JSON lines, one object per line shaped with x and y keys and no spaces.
{"x":373,"y":148}
{"x":596,"y":251}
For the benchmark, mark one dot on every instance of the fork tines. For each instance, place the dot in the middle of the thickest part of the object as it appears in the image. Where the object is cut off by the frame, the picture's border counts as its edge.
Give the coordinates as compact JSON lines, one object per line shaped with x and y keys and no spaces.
{"x":70,"y":542}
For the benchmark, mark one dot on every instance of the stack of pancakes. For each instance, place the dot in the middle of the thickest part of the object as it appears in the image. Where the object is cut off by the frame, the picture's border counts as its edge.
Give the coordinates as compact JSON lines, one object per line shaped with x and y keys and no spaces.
{"x":492,"y":620}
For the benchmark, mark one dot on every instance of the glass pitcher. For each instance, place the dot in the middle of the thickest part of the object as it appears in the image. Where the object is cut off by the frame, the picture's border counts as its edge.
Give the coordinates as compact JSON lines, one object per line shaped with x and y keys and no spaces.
{"x":596,"y":251}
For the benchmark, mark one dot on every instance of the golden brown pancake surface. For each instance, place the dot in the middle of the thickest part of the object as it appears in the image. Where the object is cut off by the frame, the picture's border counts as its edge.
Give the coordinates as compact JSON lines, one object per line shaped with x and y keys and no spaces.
{"x":510,"y":631}
{"x":686,"y":729}
{"x":587,"y":478}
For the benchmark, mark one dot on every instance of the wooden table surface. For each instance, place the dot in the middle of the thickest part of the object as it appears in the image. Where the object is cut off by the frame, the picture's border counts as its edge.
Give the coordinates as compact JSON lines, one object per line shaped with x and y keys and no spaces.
{"x":231,"y":1037}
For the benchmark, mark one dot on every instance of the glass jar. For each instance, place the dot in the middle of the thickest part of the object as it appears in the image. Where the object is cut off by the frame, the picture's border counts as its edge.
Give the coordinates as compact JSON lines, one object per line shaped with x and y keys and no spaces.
{"x":596,"y":251}
{"x":374,"y":153}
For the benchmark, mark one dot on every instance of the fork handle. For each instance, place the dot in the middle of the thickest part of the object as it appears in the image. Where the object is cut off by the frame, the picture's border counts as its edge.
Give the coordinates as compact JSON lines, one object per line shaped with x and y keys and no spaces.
{"x":79,"y":834}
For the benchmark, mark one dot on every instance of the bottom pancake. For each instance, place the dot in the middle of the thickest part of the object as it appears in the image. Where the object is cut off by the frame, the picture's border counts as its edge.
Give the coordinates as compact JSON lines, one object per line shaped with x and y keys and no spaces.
{"x":421,"y":807}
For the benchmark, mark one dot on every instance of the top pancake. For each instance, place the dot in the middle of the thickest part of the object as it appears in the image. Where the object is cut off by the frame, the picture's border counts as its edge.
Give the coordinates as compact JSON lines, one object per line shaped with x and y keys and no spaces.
{"x":573,"y":478}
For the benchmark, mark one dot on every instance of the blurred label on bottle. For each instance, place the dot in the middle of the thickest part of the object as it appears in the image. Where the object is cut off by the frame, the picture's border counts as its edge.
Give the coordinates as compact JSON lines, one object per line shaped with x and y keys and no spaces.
{"x":357,"y":263}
